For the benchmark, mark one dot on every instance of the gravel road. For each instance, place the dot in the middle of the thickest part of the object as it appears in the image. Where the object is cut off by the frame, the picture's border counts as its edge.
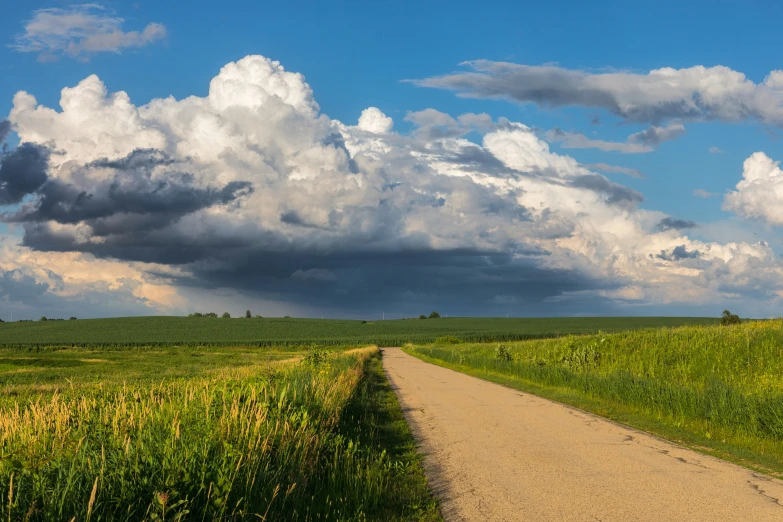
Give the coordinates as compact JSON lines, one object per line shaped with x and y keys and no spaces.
{"x":496,"y":454}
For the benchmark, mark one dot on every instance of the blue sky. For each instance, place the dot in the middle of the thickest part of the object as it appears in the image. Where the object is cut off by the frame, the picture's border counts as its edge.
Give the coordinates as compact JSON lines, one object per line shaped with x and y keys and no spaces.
{"x":356,"y":55}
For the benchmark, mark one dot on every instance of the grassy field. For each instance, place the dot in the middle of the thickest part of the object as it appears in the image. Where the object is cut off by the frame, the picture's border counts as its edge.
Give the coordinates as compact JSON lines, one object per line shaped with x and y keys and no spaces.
{"x":198,"y":331}
{"x":195,"y":434}
{"x":718,"y":389}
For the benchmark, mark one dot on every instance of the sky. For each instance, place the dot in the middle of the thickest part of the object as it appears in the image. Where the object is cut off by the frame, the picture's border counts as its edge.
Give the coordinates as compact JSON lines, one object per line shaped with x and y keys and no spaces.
{"x":355,"y":160}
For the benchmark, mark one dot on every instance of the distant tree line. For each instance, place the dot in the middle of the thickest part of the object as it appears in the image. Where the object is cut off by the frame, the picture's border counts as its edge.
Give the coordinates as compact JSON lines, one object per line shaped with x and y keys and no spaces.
{"x":226,"y":315}
{"x":44,"y":318}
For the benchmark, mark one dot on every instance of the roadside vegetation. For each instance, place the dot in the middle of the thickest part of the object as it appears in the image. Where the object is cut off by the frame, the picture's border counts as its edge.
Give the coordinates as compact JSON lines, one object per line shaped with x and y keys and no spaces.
{"x":718,"y":389}
{"x":209,"y":329}
{"x":204,"y":434}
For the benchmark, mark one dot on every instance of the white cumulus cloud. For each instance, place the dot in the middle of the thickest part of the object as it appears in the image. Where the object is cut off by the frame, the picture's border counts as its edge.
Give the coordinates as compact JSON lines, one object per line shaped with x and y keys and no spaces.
{"x":760,"y":192}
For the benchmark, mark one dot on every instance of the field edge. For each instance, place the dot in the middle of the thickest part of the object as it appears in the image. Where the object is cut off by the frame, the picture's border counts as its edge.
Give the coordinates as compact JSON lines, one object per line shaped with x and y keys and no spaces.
{"x":385,"y":420}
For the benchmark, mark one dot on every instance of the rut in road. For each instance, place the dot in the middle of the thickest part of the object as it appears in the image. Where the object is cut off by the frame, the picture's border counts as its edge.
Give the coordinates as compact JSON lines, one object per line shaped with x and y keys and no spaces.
{"x":496,"y":454}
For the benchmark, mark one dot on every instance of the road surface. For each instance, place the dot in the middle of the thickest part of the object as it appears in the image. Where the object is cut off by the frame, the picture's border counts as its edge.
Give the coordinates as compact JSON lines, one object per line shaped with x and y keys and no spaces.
{"x":496,"y":454}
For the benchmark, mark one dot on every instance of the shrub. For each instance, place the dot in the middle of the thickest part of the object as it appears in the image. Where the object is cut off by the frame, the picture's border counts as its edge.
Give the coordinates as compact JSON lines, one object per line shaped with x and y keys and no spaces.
{"x":422,"y":316}
{"x":259,"y":316}
{"x":43,"y":318}
{"x":581,"y":358}
{"x":248,"y":315}
{"x":729,"y":318}
{"x":503,"y":353}
{"x":226,"y":315}
{"x":315,"y":356}
{"x":448,"y":339}
{"x":434,"y":315}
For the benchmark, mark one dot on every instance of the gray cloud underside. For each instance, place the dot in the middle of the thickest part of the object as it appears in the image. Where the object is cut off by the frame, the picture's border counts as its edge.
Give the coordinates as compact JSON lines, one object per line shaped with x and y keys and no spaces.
{"x":658,"y":96}
{"x":669,"y":223}
{"x":678,"y":254}
{"x":5,"y":130}
{"x":130,"y":200}
{"x":604,"y":167}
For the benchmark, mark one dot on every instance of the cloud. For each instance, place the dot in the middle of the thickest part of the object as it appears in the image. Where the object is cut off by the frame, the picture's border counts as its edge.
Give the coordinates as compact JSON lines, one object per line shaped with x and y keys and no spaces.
{"x":314,"y":274}
{"x":640,"y":142}
{"x":678,"y":254}
{"x":80,"y":31}
{"x":574,"y":140}
{"x":22,"y":172}
{"x":604,"y":167}
{"x":56,"y":284}
{"x":701,"y":193}
{"x":251,"y":192}
{"x":694,"y":93}
{"x":654,"y":135}
{"x":716,"y":150}
{"x":759,"y":194}
{"x":136,"y":193}
{"x":373,"y":120}
{"x":669,"y":223}
{"x":5,"y":130}
{"x":431,"y":124}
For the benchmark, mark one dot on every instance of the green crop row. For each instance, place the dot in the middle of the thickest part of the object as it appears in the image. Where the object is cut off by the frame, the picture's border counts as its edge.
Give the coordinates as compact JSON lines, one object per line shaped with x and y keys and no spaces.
{"x":206,"y":331}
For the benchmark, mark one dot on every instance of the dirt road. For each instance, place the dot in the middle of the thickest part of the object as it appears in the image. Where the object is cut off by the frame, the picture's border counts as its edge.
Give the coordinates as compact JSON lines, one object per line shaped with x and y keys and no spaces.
{"x":496,"y":454}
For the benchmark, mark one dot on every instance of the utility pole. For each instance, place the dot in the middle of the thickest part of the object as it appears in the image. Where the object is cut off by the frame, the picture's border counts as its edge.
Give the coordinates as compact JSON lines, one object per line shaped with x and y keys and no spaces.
{"x":383,"y":316}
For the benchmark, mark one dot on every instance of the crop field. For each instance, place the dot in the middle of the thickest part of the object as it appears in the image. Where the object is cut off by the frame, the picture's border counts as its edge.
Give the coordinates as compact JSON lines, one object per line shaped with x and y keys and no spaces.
{"x":715,"y":388}
{"x":201,"y":331}
{"x":204,"y":434}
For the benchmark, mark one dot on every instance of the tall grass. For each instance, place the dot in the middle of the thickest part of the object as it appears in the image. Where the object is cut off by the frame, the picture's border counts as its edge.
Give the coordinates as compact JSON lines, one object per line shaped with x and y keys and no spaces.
{"x":234,"y":444}
{"x":713,"y":379}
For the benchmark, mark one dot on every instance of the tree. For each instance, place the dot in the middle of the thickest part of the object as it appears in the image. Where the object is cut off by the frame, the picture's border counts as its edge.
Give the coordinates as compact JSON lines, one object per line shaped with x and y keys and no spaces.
{"x":422,"y":316}
{"x":72,"y":319}
{"x":226,"y":315}
{"x":43,"y":318}
{"x":248,"y":315}
{"x":729,"y":318}
{"x":434,"y":315}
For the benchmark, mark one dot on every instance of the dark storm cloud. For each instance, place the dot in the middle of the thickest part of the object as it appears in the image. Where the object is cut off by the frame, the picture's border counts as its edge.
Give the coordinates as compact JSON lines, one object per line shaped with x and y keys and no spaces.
{"x":5,"y":130}
{"x":678,"y":253}
{"x":456,"y":281}
{"x":130,"y":200}
{"x":669,"y":223}
{"x":22,"y":172}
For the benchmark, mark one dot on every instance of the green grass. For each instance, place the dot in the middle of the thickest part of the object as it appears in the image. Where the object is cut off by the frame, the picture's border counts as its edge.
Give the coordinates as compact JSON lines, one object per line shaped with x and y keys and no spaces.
{"x":197,"y":434}
{"x":199,"y":331}
{"x":717,"y":389}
